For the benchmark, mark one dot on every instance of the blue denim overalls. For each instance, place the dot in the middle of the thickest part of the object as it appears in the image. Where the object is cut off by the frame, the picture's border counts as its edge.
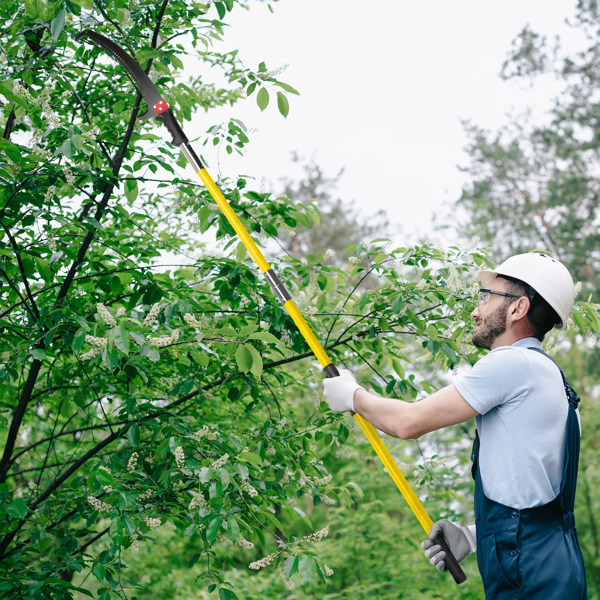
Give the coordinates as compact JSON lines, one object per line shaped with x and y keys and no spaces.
{"x":533,"y":553}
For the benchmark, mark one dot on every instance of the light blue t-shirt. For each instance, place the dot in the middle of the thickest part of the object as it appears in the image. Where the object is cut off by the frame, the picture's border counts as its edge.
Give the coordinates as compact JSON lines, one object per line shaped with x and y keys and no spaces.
{"x":522,"y":405}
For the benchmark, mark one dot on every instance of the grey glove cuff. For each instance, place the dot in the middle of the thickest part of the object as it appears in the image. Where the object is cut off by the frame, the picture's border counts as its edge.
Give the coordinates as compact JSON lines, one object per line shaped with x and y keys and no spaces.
{"x":470,"y":532}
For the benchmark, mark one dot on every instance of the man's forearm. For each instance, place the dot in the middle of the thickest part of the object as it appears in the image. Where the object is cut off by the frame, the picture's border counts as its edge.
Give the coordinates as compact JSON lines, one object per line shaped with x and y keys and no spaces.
{"x":386,"y":414}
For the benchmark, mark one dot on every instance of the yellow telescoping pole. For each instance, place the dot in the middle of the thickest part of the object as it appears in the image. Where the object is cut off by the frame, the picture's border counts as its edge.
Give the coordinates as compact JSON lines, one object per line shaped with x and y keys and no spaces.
{"x":158,"y":108}
{"x":328,"y":367}
{"x":315,"y":346}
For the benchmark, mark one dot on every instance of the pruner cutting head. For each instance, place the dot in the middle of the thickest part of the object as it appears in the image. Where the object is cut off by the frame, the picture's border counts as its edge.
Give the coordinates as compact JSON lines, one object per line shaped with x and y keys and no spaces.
{"x":157,"y":105}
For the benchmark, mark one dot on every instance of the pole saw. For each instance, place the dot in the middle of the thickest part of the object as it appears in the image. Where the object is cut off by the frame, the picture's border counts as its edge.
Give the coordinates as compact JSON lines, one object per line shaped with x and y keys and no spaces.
{"x":159,"y":109}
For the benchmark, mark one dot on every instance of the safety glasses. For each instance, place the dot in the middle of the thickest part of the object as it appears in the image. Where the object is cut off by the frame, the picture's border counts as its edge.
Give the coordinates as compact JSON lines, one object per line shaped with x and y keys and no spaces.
{"x":485,"y":295}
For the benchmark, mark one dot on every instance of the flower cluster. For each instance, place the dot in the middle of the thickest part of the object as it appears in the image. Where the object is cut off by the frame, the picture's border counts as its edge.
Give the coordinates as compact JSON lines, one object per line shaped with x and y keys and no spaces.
{"x":263,"y":562}
{"x":151,"y":522}
{"x":146,"y":495}
{"x":251,"y":491}
{"x":91,"y":353}
{"x":317,"y":536}
{"x":220,"y":462}
{"x":179,"y":457}
{"x":98,"y":342}
{"x":245,"y":543}
{"x":198,"y":435}
{"x":323,"y":480}
{"x":164,"y":340}
{"x":152,"y":314}
{"x":327,"y":500}
{"x":197,"y":501}
{"x":105,"y":315}
{"x":98,"y":504}
{"x":454,"y":282}
{"x":190,"y":319}
{"x":132,"y":462}
{"x":135,"y":548}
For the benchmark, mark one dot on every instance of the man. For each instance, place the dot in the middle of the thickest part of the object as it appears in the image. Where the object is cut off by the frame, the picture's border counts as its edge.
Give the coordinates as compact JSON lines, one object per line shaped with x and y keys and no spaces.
{"x":526,"y":452}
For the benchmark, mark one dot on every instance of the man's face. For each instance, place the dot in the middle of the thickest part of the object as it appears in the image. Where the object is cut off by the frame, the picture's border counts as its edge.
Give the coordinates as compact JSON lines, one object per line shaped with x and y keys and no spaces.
{"x":490,"y":317}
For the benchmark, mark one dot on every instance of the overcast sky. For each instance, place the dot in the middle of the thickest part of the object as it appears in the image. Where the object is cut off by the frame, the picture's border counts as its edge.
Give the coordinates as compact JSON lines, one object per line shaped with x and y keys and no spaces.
{"x":384,"y":87}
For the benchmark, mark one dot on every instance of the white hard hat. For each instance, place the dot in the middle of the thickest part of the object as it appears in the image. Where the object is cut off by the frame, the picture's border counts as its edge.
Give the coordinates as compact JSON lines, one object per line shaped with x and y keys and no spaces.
{"x":547,"y":276}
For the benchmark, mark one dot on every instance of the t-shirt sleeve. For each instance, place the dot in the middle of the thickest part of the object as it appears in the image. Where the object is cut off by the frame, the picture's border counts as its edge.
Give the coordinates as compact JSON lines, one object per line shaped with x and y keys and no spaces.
{"x":501,"y":378}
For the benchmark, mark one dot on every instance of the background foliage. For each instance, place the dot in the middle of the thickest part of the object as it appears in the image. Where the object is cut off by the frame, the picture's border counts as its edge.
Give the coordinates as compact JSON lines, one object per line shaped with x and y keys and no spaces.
{"x":163,"y":432}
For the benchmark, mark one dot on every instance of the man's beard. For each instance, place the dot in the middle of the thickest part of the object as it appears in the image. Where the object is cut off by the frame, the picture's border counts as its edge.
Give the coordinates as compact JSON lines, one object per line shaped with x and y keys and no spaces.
{"x":491,"y":327}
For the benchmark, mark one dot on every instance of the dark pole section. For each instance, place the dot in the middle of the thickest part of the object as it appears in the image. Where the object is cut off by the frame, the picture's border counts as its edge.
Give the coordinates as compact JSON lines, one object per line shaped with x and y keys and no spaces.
{"x":331,"y":371}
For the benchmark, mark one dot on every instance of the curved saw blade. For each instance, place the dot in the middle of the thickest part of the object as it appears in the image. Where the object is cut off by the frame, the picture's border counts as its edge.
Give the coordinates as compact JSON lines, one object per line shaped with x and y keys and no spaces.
{"x":156,"y":103}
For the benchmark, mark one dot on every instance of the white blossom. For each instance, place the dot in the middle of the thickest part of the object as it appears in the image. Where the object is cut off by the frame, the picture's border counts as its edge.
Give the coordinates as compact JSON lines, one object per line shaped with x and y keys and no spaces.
{"x":105,"y":315}
{"x":245,"y":543}
{"x":190,"y":319}
{"x":135,"y":548}
{"x":132,"y":462}
{"x":263,"y":562}
{"x":197,"y":501}
{"x":217,"y":464}
{"x":91,"y":353}
{"x":317,"y":536}
{"x":251,"y":491}
{"x":152,"y":314}
{"x":179,"y":457}
{"x":98,"y":504}
{"x":165,"y":340}
{"x":151,"y":522}
{"x":99,"y":342}
{"x":201,"y":433}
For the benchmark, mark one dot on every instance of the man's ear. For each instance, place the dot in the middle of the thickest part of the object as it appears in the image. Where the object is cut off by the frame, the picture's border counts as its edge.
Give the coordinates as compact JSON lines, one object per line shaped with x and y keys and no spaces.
{"x":518,"y":310}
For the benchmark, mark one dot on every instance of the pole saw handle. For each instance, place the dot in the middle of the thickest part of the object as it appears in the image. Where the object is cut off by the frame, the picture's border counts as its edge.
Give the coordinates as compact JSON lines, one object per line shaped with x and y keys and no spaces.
{"x":451,"y":563}
{"x":331,"y":371}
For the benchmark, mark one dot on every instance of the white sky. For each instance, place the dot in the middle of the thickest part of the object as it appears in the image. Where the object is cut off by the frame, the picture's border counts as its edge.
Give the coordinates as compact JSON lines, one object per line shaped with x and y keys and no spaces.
{"x":384,"y":86}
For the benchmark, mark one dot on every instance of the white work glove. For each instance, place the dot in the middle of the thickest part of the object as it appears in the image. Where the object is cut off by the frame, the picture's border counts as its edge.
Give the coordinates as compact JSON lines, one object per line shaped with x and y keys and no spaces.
{"x":339,"y":391}
{"x":460,"y":540}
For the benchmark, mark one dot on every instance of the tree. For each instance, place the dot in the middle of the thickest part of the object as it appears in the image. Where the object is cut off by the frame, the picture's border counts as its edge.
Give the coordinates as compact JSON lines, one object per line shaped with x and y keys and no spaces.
{"x":137,"y":396}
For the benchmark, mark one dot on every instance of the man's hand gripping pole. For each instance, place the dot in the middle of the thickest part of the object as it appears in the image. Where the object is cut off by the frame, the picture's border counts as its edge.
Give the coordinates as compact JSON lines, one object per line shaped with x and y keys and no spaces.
{"x":159,"y":109}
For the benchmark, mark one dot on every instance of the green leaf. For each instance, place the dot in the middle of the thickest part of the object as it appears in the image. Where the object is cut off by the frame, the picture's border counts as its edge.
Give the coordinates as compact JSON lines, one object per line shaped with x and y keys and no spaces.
{"x":221,"y":9}
{"x":44,"y":269}
{"x":57,"y":24}
{"x":121,"y":339}
{"x":131,"y":190}
{"x":233,"y":529}
{"x":213,"y":530}
{"x":17,"y":509}
{"x":291,"y":565}
{"x":262,"y":98}
{"x":250,"y":457}
{"x":104,"y":477}
{"x":133,"y":435}
{"x":397,"y":304}
{"x":99,"y":572}
{"x":307,"y":568}
{"x":363,"y":301}
{"x":257,"y":362}
{"x":283,"y":104}
{"x":243,"y":357}
{"x":265,"y":336}
{"x":240,"y":253}
{"x":38,"y":354}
